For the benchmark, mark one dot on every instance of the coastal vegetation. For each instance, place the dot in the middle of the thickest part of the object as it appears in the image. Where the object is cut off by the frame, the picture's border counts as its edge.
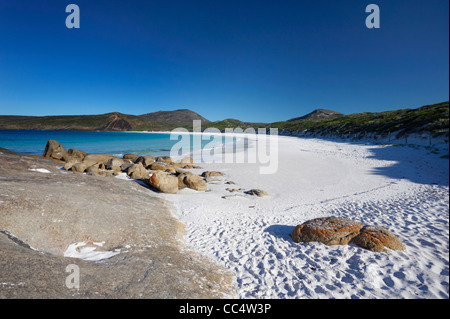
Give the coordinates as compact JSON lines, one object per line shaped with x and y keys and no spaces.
{"x":431,"y":119}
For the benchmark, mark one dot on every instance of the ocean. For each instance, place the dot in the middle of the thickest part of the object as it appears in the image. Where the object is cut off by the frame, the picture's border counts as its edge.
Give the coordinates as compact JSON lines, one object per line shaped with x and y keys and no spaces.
{"x":115,"y":143}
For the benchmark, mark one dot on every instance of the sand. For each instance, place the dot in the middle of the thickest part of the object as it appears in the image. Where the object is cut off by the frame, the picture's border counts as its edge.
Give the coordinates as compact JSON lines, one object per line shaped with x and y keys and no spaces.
{"x":402,"y":188}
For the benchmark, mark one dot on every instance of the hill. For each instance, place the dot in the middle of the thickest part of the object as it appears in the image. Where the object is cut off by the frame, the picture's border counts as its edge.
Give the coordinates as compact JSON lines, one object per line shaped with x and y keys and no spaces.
{"x":319,"y":114}
{"x":429,"y":118}
{"x":182,"y":116}
{"x":158,"y":121}
{"x":233,"y":123}
{"x":432,"y":119}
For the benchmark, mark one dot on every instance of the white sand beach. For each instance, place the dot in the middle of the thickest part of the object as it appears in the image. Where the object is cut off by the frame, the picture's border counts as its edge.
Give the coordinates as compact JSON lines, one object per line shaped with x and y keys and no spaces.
{"x":402,"y":188}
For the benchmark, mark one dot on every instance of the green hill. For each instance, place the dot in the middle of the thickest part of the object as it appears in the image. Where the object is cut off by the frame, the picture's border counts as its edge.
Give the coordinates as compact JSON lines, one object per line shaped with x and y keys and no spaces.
{"x":430,"y":118}
{"x":102,"y":122}
{"x":183,"y":116}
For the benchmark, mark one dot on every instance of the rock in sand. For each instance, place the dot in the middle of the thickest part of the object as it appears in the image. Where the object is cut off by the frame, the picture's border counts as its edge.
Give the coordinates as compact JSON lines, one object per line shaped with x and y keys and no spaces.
{"x":161,"y":166}
{"x":137,"y":171}
{"x":195,"y":182}
{"x":377,"y":239}
{"x":257,"y":192}
{"x":211,"y":174}
{"x":164,"y":182}
{"x":166,"y":159}
{"x":329,"y":231}
{"x":342,"y":231}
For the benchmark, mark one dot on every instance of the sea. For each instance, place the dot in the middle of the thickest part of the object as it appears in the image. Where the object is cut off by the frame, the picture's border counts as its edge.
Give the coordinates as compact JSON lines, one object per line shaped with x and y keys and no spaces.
{"x":115,"y":143}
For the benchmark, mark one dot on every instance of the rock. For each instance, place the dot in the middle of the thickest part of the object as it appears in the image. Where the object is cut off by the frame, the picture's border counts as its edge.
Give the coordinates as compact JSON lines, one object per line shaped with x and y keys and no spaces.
{"x":161,"y":166}
{"x":103,"y":172}
{"x":7,"y":151}
{"x":69,"y":164}
{"x":329,"y":231}
{"x":79,"y":167}
{"x":137,"y":171}
{"x":377,"y":239}
{"x":54,"y":150}
{"x":181,"y":183}
{"x":211,"y":174}
{"x":341,"y":231}
{"x":189,"y":166}
{"x":195,"y":182}
{"x":74,"y":155}
{"x":93,"y":170}
{"x":110,"y":173}
{"x":163,"y":182}
{"x":113,"y":212}
{"x":92,"y":159}
{"x":186,"y":160}
{"x":114,"y":164}
{"x":125,"y":166}
{"x":179,"y":171}
{"x":146,"y":160}
{"x":166,"y":159}
{"x":132,"y":157}
{"x":257,"y":192}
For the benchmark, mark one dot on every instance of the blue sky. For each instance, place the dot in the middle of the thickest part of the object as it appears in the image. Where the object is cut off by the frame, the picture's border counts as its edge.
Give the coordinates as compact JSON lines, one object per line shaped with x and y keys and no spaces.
{"x":260,"y":61}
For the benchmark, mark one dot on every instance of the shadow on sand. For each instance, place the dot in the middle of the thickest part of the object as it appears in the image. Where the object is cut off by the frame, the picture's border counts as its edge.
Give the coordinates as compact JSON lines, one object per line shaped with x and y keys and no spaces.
{"x":416,"y":163}
{"x":280,"y":231}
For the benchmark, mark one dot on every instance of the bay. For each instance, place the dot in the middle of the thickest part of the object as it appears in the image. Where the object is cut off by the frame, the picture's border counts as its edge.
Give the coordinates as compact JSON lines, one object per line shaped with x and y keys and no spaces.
{"x":115,"y":143}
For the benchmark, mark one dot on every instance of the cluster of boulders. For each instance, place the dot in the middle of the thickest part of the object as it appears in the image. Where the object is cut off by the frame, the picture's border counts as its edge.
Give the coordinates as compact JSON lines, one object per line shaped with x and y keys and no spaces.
{"x":160,"y":172}
{"x":342,"y":231}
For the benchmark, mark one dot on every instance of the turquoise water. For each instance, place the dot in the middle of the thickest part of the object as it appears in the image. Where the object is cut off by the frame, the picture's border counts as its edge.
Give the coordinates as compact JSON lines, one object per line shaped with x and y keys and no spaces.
{"x":115,"y":143}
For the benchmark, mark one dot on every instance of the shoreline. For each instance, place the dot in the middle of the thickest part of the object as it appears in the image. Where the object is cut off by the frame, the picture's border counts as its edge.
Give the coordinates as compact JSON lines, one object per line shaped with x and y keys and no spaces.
{"x":439,"y":144}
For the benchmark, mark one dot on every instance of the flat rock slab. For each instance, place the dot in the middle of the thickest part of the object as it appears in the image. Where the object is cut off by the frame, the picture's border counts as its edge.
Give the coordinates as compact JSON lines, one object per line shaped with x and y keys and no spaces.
{"x":342,"y":231}
{"x":44,"y":210}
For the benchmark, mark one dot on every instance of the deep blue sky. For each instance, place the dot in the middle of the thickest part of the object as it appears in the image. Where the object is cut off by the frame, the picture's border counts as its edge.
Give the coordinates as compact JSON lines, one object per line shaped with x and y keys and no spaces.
{"x":251,"y":60}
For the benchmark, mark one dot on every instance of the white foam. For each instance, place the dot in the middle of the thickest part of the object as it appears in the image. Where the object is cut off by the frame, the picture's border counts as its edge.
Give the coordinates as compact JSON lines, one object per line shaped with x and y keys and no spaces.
{"x":40,"y":170}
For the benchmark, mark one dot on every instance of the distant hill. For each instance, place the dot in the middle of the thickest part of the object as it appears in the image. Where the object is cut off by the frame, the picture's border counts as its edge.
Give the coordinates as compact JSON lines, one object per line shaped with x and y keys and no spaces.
{"x":319,"y":114}
{"x":178,"y":116}
{"x":430,"y":118}
{"x":158,"y":121}
{"x":233,"y":123}
{"x":102,"y":122}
